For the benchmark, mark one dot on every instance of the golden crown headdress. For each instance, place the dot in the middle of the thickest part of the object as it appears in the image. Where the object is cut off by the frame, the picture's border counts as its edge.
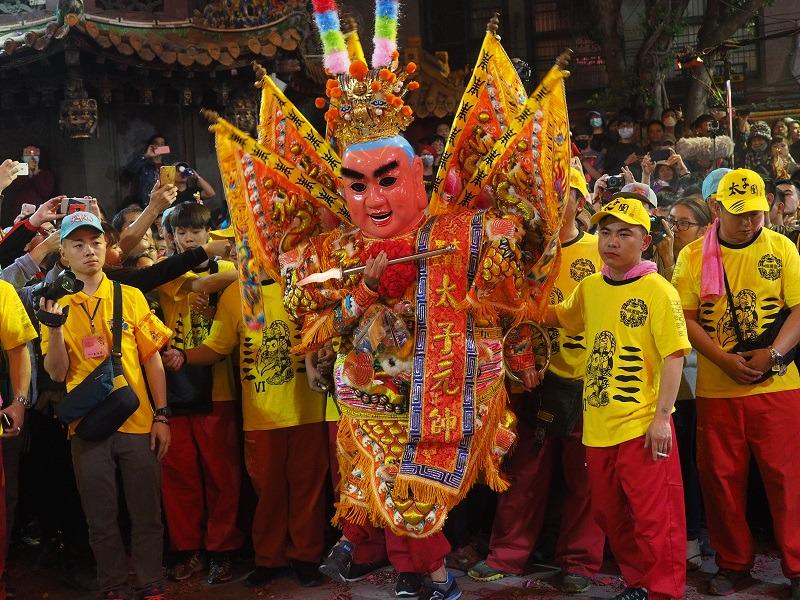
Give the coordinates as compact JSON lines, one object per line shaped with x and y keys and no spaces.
{"x":365,"y":104}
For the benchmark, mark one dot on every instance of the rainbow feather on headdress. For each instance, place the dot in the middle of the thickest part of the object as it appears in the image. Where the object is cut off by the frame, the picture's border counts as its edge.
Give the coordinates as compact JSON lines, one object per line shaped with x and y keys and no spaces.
{"x":386,"y":17}
{"x":334,"y":48}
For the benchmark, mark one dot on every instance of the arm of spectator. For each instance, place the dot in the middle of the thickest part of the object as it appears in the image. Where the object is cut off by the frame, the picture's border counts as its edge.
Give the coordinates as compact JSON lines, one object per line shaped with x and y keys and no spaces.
{"x":13,"y":243}
{"x":175,"y":358}
{"x":628,"y":174}
{"x":8,"y":173}
{"x":20,"y":272}
{"x":93,"y":206}
{"x":600,"y":187}
{"x":137,"y":164}
{"x":648,"y":166}
{"x":206,"y":191}
{"x":168,"y":269}
{"x":215,"y":282}
{"x":675,"y":161}
{"x":161,"y":198}
{"x":19,"y":372}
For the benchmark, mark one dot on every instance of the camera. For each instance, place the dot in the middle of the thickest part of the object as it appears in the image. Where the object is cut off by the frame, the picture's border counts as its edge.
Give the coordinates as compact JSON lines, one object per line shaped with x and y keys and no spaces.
{"x":657,"y":230}
{"x":63,"y":285}
{"x":615,"y":182}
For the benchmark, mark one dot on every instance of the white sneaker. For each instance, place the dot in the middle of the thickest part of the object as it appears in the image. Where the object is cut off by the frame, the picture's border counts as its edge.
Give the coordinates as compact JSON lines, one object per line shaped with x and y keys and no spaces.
{"x":694,"y":559}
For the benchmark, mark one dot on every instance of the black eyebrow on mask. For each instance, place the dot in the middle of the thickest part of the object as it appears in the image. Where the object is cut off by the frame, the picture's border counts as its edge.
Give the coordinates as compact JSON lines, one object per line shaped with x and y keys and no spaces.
{"x":351,"y":174}
{"x":385,"y":168}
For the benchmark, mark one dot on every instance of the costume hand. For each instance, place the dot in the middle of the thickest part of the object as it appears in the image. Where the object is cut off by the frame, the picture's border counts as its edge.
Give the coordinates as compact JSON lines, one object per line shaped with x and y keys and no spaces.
{"x":160,"y":436}
{"x":737,"y":368}
{"x":374,"y":269}
{"x":658,"y":437}
{"x":760,"y":359}
{"x":47,"y":211}
{"x":8,"y":173}
{"x":15,"y":412}
{"x":162,"y":196}
{"x":172,"y":359}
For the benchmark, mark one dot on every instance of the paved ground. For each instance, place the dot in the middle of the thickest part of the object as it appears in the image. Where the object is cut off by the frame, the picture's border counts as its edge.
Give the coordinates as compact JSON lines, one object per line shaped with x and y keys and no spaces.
{"x":43,"y":582}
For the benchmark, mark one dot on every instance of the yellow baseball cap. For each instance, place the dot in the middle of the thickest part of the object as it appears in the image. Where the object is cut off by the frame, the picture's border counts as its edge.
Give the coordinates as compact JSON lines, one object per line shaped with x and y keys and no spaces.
{"x":631,"y":210}
{"x":741,"y":191}
{"x":222,"y":234}
{"x":578,"y":182}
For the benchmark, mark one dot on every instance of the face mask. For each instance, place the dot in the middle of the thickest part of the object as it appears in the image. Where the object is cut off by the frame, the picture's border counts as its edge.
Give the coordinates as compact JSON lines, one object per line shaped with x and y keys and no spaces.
{"x":670,"y":121}
{"x":582,"y":144}
{"x":596,"y":122}
{"x":427,"y":159}
{"x":625,"y":132}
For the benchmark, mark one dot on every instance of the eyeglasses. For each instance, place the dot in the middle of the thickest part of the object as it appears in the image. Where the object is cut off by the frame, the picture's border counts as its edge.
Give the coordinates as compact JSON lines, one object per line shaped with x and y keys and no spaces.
{"x":682,"y":224}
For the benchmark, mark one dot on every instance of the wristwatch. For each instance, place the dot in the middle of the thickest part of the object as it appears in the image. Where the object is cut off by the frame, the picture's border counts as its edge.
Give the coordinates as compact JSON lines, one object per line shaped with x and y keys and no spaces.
{"x":778,"y":362}
{"x":26,"y":402}
{"x":163,"y":412}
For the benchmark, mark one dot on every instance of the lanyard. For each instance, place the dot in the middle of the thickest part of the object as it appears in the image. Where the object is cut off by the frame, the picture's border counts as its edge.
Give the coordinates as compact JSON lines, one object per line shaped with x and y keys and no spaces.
{"x":91,"y":317}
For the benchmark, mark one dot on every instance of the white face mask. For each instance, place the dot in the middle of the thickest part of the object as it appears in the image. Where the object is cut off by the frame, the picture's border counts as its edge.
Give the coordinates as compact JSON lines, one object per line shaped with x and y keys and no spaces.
{"x":625,"y":132}
{"x":670,"y":121}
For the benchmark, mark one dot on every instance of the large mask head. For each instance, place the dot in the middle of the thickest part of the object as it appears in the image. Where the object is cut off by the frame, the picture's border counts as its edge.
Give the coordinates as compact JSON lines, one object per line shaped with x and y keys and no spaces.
{"x":383,"y":187}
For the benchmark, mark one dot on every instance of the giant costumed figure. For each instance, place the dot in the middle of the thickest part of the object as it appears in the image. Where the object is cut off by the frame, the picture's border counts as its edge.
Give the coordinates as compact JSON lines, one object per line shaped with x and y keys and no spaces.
{"x":423,"y":345}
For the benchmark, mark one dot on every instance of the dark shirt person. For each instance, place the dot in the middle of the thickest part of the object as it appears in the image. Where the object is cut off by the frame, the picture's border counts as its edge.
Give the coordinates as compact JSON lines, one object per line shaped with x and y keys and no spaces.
{"x":144,"y":168}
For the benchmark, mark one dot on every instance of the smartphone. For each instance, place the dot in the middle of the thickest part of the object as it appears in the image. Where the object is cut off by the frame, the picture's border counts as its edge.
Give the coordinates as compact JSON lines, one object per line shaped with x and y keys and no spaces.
{"x":166,"y":175}
{"x":659,"y":155}
{"x":22,"y":168}
{"x":72,"y":205}
{"x":161,"y":150}
{"x":27,"y":209}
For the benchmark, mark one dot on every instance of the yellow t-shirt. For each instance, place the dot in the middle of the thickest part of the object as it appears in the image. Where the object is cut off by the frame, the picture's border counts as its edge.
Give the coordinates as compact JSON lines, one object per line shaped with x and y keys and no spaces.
{"x":191,"y":328}
{"x":630,"y":327}
{"x":16,"y":328}
{"x":579,"y":259}
{"x":142,"y":335}
{"x":275,"y":389}
{"x":764,"y":276}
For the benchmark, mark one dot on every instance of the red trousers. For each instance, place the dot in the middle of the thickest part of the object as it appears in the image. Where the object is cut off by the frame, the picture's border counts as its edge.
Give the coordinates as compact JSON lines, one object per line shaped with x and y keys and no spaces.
{"x":638,"y":502}
{"x":287,"y":468}
{"x":407,"y":555}
{"x":3,"y":532}
{"x":728,"y":430}
{"x":201,"y":480}
{"x":520,"y":511}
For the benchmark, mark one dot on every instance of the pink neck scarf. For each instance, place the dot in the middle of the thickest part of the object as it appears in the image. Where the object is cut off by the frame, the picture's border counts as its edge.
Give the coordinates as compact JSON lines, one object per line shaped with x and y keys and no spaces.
{"x":643,"y":268}
{"x":712,"y":282}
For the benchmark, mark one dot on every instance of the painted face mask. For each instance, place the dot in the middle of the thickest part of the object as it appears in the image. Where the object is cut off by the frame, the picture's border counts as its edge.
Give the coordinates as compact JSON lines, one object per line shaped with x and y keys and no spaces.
{"x":384,"y":189}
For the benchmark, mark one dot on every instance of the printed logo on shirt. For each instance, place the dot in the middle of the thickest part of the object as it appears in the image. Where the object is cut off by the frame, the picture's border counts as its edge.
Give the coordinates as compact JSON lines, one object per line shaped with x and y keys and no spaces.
{"x":580,"y":269}
{"x":271,"y":363}
{"x":125,"y":325}
{"x":555,"y":346}
{"x":746,"y":315}
{"x":770,"y":267}
{"x":633,"y":313}
{"x":556,"y":296}
{"x":598,"y":370}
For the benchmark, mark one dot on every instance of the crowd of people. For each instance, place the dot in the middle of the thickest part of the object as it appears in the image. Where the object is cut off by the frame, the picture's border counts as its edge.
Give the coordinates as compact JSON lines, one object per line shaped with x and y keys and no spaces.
{"x":659,"y":408}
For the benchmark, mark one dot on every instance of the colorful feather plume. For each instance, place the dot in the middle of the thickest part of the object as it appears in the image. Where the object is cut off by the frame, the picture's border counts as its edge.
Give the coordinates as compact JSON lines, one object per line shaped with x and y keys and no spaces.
{"x":386,"y":16}
{"x":334,"y":48}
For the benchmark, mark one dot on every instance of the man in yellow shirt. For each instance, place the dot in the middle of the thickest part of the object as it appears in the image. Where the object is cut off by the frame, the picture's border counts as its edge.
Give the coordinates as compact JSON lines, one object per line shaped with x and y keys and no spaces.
{"x":636,"y":339}
{"x":286,"y":444}
{"x":203,"y":471}
{"x":521,"y":510}
{"x":16,"y":331}
{"x":71,"y":352}
{"x":740,"y":412}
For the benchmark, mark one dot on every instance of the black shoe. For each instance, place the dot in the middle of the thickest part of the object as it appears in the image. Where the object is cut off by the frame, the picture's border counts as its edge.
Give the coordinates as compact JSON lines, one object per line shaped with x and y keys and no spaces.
{"x":219,"y":568}
{"x":728,"y":581}
{"x":409,"y":585}
{"x":337,"y":564}
{"x":447,"y":590}
{"x":632,"y":594}
{"x":307,"y":573}
{"x":359,"y":571}
{"x":263,"y":575}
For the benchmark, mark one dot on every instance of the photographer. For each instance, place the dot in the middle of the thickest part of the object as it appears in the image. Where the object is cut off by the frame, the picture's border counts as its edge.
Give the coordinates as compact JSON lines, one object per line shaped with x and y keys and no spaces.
{"x":663,"y":168}
{"x":189,"y":183}
{"x":144,"y":168}
{"x":34,"y":188}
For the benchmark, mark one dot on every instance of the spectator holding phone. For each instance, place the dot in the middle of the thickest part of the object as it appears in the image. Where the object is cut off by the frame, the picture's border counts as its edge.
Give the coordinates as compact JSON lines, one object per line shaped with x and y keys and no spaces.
{"x":34,"y":188}
{"x":626,"y":152}
{"x":190,"y":183}
{"x":133,"y":224}
{"x":144,"y":168}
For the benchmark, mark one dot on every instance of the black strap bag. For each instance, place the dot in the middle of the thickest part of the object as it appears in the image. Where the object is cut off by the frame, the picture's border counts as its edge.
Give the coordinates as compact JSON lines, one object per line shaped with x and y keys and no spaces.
{"x":121,"y":401}
{"x":764,"y":339}
{"x":554,"y":407}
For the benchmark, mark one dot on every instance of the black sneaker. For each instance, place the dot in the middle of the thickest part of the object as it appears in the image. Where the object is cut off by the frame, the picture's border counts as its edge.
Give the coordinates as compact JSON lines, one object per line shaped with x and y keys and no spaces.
{"x":219,"y":568}
{"x":447,"y":590}
{"x":337,"y":564}
{"x":632,"y":594}
{"x":409,"y":585}
{"x":360,"y":571}
{"x":263,"y":575}
{"x":728,"y":581}
{"x":307,"y":573}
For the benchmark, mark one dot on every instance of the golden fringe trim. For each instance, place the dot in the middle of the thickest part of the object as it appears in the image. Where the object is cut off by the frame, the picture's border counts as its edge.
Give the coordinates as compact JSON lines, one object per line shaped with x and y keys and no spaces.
{"x":314,"y":336}
{"x":480,"y":459}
